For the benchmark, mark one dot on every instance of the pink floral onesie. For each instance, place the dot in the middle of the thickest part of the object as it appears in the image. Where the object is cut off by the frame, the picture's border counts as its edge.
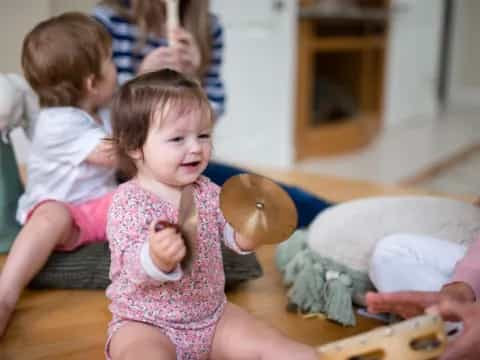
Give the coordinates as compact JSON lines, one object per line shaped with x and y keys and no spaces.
{"x":186,"y":310}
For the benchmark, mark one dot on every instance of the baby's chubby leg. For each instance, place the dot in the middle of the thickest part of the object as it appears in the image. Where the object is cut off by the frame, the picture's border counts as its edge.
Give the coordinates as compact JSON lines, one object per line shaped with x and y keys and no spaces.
{"x":50,"y":225}
{"x":135,"y":340}
{"x":239,"y":335}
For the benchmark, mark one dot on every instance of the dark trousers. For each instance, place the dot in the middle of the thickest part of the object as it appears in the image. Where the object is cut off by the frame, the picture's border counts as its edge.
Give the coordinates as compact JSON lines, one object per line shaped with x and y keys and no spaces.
{"x":308,"y":205}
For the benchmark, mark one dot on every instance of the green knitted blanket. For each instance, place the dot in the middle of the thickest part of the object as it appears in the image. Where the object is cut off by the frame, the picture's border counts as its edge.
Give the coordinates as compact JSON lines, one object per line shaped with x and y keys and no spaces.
{"x":318,"y":284}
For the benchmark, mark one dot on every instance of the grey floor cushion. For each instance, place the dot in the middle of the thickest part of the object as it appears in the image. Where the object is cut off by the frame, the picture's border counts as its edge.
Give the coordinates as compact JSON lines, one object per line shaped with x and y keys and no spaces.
{"x":87,"y":268}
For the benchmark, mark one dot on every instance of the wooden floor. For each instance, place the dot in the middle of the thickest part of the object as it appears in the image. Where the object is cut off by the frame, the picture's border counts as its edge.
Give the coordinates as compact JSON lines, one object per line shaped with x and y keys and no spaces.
{"x":72,"y":324}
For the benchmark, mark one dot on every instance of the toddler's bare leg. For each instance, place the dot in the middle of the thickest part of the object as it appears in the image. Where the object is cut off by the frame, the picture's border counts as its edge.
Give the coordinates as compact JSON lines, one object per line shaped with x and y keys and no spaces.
{"x":50,"y":224}
{"x":136,"y":341}
{"x":239,"y":335}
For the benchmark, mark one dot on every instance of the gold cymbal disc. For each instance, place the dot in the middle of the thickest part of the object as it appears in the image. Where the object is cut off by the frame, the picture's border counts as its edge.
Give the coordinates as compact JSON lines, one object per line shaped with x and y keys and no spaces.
{"x":258,"y":208}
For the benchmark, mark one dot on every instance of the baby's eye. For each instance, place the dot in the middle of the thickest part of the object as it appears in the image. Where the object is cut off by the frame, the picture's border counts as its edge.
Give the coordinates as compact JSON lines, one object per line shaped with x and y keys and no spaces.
{"x":204,"y":136}
{"x":176,"y":139}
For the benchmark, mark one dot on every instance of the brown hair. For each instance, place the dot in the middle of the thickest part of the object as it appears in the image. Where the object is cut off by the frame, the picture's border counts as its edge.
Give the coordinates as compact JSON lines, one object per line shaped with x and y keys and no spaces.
{"x":139,"y":101}
{"x":194,"y":17}
{"x":60,"y":53}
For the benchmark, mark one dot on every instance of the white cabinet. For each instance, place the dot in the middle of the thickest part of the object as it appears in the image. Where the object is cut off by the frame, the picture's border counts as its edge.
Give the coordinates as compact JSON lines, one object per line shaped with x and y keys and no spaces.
{"x":259,"y":72}
{"x":413,"y":60}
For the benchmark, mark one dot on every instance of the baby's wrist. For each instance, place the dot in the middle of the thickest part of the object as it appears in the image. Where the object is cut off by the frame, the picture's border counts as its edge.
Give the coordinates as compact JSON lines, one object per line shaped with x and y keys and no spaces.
{"x":245,"y":243}
{"x":154,"y":271}
{"x":163,"y":266}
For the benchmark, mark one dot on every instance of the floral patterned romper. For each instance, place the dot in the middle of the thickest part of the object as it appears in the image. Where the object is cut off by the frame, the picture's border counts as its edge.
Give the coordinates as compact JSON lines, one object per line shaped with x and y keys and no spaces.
{"x":186,"y":310}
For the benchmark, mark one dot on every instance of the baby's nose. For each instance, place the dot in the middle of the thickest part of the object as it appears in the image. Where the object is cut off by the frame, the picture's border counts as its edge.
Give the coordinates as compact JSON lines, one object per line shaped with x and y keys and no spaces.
{"x":195,"y":145}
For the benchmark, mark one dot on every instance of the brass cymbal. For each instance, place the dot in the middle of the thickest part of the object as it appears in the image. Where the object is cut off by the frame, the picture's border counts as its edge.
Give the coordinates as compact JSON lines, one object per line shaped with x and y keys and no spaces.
{"x":258,"y":208}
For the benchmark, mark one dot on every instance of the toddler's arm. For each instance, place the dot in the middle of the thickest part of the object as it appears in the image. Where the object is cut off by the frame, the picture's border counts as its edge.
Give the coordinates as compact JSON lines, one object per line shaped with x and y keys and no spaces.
{"x":103,"y":155}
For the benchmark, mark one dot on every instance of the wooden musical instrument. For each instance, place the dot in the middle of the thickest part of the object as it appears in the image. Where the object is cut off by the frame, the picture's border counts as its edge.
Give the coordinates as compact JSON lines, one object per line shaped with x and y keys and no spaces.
{"x":187,"y":224}
{"x":173,"y":17}
{"x":419,"y":338}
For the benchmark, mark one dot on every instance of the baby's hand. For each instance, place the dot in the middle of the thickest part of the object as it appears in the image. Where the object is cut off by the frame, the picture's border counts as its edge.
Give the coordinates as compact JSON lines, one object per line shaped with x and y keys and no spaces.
{"x":167,"y":247}
{"x":245,"y":243}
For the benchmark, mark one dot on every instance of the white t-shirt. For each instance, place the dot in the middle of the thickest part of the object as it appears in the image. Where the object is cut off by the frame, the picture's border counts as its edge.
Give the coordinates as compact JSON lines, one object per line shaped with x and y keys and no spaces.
{"x":63,"y":138}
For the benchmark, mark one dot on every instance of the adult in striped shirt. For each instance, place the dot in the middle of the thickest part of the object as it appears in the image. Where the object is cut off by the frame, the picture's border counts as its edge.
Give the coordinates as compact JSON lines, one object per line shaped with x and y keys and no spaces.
{"x":139,"y":42}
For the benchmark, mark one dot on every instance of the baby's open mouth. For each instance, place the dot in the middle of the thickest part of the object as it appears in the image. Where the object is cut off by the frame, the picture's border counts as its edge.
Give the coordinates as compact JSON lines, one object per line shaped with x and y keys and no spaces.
{"x":191,"y":164}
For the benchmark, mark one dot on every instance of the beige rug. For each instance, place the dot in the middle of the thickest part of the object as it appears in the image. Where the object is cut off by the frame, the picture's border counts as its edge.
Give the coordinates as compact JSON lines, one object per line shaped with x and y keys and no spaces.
{"x":459,"y":175}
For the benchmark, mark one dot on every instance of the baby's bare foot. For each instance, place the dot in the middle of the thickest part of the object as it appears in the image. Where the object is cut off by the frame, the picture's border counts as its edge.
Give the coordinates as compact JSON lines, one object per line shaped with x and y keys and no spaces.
{"x":6,"y":311}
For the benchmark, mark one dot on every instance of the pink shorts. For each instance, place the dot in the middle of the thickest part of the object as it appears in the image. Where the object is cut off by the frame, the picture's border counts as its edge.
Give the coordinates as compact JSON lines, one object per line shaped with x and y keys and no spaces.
{"x":89,"y":217}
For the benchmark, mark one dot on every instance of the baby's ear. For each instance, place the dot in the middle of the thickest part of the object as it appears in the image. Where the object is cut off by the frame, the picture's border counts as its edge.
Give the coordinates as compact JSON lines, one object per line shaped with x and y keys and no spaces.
{"x":136,"y":154}
{"x":90,"y":83}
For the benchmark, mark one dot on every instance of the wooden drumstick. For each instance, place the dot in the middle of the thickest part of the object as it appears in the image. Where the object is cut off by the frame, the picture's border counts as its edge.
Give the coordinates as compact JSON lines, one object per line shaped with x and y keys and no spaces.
{"x":187,"y":224}
{"x":173,"y":18}
{"x":420,"y":338}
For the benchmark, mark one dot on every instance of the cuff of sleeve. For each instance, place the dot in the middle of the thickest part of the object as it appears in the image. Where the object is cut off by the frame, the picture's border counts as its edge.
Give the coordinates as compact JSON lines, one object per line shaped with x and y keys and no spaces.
{"x":229,"y":239}
{"x":153,"y":271}
{"x":469,"y":276}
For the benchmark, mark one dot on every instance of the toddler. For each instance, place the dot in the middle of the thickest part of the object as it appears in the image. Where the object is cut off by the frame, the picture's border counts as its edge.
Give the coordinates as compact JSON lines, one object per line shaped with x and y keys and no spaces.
{"x":162,"y":127}
{"x":70,"y":171}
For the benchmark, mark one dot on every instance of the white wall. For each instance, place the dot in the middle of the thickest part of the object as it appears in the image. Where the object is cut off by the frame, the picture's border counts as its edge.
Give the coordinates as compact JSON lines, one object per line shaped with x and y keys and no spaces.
{"x":18,"y":17}
{"x":412,"y":61}
{"x":259,"y":72}
{"x":59,"y":6}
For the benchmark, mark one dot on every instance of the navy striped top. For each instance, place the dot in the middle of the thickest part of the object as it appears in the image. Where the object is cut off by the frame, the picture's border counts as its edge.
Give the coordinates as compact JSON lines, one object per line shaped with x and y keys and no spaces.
{"x":127,"y":56}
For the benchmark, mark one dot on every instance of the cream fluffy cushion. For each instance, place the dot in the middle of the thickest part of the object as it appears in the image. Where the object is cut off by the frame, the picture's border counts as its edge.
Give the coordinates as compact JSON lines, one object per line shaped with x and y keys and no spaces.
{"x":347,"y":233}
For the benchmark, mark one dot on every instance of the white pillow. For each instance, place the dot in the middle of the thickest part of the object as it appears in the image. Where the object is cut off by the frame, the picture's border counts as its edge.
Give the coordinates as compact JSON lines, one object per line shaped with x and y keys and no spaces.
{"x":347,"y":233}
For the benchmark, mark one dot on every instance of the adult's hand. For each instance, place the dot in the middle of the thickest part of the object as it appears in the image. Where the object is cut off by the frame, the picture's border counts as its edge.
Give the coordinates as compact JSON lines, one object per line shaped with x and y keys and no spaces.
{"x":467,"y":345}
{"x":182,"y":55}
{"x":187,"y":51}
{"x":407,"y":304}
{"x":413,"y":303}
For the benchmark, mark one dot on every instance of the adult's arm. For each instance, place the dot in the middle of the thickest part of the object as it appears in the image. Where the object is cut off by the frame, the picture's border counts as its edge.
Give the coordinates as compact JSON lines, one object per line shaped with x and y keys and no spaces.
{"x":212,"y":80}
{"x":467,"y":270}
